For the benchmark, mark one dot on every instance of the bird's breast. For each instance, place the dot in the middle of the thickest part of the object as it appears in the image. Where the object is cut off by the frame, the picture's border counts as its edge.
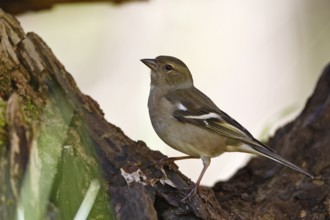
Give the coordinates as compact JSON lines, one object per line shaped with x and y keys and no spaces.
{"x":185,"y":137}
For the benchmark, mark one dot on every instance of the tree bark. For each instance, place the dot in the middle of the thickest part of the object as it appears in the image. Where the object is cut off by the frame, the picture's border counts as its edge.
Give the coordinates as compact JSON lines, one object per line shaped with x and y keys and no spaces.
{"x":21,"y":6}
{"x":56,"y":148}
{"x":265,"y":190}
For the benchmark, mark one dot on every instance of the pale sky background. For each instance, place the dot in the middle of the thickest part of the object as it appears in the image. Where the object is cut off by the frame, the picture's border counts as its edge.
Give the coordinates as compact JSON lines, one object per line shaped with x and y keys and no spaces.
{"x":256,"y":59}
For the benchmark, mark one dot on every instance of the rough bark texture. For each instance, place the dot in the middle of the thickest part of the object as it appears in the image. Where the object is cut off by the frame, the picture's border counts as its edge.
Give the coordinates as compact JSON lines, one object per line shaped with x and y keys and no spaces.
{"x":265,"y":190}
{"x":43,"y":111}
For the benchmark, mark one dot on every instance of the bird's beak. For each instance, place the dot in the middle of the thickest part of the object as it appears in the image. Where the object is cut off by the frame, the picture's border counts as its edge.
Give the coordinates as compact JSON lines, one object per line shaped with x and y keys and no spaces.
{"x":151,"y":63}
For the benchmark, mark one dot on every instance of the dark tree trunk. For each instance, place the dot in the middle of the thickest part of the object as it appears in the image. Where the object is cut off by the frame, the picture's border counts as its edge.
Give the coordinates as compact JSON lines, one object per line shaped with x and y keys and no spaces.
{"x":21,"y":6}
{"x":55,"y":144}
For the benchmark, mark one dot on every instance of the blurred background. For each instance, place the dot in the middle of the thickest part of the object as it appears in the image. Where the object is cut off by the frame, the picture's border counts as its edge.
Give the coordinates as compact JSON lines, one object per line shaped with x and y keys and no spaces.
{"x":258,"y":60}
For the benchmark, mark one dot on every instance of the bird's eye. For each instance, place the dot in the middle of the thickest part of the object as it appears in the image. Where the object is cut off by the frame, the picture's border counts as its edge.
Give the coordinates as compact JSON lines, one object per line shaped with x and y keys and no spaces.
{"x":168,"y":67}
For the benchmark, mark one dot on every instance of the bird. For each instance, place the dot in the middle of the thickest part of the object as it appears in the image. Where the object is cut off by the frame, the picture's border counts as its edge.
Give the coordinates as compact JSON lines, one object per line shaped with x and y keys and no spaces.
{"x":190,"y":122}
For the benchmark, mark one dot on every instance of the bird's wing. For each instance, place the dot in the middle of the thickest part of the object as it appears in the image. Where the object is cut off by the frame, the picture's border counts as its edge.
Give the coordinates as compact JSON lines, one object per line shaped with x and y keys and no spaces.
{"x":192,"y":106}
{"x":195,"y":108}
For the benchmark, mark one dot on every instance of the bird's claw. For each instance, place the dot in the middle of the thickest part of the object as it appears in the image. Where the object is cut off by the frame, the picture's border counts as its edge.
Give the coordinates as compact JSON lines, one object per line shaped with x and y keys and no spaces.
{"x":192,"y":193}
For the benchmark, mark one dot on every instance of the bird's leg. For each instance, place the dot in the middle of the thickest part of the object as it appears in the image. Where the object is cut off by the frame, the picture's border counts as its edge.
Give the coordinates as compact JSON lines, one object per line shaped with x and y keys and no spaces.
{"x":169,"y":160}
{"x":206,"y":164}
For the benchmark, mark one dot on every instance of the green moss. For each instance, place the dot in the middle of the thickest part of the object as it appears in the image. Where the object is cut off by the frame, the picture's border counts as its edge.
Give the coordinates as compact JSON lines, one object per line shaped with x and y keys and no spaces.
{"x":2,"y":113}
{"x":5,"y":83}
{"x":31,"y":111}
{"x":2,"y":124}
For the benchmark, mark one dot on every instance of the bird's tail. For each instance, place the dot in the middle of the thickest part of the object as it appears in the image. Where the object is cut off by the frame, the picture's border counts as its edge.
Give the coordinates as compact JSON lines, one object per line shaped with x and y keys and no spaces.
{"x":262,"y":150}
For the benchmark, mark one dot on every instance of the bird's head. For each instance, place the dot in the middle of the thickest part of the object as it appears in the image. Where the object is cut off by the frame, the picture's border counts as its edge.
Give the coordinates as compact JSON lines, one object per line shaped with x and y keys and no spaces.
{"x":169,"y":72}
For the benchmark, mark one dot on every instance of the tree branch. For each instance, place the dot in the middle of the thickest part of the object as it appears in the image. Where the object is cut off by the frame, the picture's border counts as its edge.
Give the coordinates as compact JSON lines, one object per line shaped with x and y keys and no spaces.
{"x":21,"y":6}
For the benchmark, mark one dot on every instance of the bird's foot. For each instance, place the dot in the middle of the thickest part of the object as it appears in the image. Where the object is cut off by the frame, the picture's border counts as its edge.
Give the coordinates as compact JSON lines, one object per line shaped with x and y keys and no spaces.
{"x":192,"y":193}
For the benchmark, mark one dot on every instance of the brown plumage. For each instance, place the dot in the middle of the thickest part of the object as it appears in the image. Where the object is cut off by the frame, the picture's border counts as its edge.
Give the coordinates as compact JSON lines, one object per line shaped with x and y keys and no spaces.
{"x":188,"y":121}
